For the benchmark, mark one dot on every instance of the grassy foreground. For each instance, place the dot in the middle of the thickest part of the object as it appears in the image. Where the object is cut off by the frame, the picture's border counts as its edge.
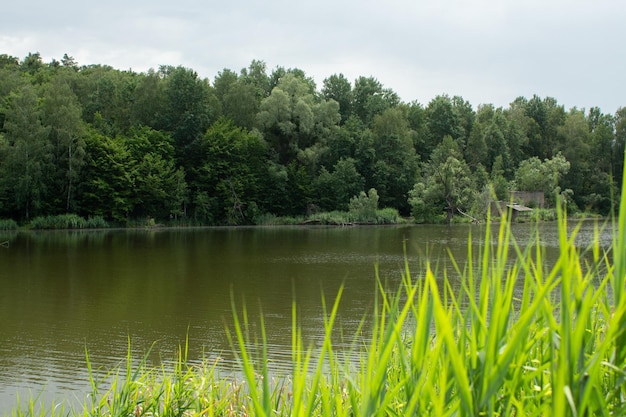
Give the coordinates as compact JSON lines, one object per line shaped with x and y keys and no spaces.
{"x":518,"y":339}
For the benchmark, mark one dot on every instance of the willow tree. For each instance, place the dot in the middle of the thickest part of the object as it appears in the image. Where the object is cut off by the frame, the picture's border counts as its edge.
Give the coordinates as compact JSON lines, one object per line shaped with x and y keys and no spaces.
{"x":292,"y":118}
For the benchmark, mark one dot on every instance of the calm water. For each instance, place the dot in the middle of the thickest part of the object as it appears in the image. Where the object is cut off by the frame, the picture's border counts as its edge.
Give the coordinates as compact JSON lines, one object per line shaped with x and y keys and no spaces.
{"x":64,"y":292}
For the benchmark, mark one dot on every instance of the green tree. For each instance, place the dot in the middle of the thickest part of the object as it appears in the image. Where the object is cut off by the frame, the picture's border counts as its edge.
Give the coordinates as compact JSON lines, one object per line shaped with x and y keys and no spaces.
{"x":334,"y":189}
{"x":106,"y":186}
{"x":598,"y":192}
{"x":416,"y":117}
{"x":148,"y":103}
{"x":28,"y":156}
{"x":495,"y":140}
{"x":535,"y":175}
{"x":256,"y":75}
{"x":466,"y":117}
{"x":396,"y":163}
{"x":442,"y":120}
{"x":338,"y":88}
{"x":106,"y":97}
{"x":447,"y":185}
{"x":545,"y":116}
{"x":619,"y":145}
{"x":241,"y":104}
{"x":223,"y":82}
{"x":370,"y":98}
{"x":188,"y":112}
{"x":574,"y":144}
{"x":62,"y":117}
{"x":157,"y":185}
{"x":232,"y":178}
{"x":291,"y":116}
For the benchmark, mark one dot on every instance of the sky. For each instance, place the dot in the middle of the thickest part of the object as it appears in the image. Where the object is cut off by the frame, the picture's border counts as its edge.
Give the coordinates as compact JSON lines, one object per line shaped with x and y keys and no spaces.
{"x":486,"y":51}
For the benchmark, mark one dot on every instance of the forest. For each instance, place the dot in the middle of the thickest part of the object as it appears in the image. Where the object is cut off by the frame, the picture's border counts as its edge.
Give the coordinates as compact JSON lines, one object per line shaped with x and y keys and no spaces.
{"x":168,"y":145}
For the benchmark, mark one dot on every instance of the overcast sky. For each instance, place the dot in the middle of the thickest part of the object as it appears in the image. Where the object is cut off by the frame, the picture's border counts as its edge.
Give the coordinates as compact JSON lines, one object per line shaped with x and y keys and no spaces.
{"x":487,"y":51}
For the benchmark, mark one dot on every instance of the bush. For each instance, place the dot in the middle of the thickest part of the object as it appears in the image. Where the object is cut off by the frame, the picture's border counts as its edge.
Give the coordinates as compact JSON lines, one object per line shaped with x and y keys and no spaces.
{"x":68,"y":221}
{"x":388,"y":216}
{"x":331,"y":218}
{"x":364,"y":206}
{"x":8,"y":224}
{"x":96,"y":222}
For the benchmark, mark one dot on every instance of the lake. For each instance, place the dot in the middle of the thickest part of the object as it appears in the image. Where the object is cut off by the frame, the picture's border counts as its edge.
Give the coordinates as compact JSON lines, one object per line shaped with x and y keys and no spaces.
{"x":62,"y":293}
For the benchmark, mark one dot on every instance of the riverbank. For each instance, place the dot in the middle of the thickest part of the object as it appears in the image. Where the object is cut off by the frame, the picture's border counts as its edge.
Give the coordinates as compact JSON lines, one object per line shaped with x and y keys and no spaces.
{"x":555,"y":348}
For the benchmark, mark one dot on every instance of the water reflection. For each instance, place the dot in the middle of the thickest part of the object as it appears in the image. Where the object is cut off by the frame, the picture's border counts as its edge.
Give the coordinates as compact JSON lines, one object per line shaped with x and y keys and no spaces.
{"x":64,"y":292}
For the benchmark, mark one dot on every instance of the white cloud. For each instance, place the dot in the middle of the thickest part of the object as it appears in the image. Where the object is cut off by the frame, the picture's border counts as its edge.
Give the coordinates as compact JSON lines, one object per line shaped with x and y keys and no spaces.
{"x":484,"y":50}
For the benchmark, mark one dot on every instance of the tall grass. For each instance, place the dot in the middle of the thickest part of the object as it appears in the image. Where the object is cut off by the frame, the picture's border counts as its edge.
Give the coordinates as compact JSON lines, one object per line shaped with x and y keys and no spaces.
{"x":518,"y":337}
{"x":68,"y":221}
{"x":8,"y":224}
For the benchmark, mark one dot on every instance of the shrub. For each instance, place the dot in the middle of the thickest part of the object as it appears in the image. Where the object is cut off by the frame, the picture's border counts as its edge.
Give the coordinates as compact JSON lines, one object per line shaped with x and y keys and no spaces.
{"x":388,"y":215}
{"x":363,"y":207}
{"x":8,"y":224}
{"x":68,"y":221}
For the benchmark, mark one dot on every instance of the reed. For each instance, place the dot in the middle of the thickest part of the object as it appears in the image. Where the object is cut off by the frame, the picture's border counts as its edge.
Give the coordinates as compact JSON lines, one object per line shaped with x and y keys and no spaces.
{"x":8,"y":224}
{"x":68,"y":221}
{"x":517,"y":338}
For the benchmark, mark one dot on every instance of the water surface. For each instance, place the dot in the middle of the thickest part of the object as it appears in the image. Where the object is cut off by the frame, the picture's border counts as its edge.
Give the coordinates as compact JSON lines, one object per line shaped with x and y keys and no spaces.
{"x":62,"y":293}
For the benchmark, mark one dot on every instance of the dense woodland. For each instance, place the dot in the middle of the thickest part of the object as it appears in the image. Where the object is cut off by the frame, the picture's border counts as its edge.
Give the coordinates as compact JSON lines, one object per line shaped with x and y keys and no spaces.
{"x":169,"y":145}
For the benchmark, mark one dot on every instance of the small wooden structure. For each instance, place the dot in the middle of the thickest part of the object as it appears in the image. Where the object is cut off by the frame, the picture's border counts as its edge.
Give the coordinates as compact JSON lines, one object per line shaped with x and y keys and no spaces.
{"x":512,"y":209}
{"x":515,"y":210}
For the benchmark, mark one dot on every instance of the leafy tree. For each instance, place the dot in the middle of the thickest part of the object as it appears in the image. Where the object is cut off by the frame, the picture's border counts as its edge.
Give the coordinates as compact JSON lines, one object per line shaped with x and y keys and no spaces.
{"x":442,"y":120}
{"x":334,"y":189}
{"x":574,"y":144}
{"x":396,"y":165}
{"x":447,"y":185}
{"x":157,"y":185}
{"x":256,"y":75}
{"x":148,"y":103}
{"x":233,"y":174}
{"x":223,"y":82}
{"x":466,"y":116}
{"x":370,"y":98}
{"x":544,"y":118}
{"x":499,"y":183}
{"x":535,"y":175}
{"x":28,"y":155}
{"x":598,"y":193}
{"x":241,"y":104}
{"x":495,"y":140}
{"x":416,"y":118}
{"x":338,"y":88}
{"x":62,"y":117}
{"x":342,"y":142}
{"x":291,"y":116}
{"x":106,"y":97}
{"x":189,"y":109}
{"x":32,"y":63}
{"x":476,"y":149}
{"x":106,"y":187}
{"x":619,"y":146}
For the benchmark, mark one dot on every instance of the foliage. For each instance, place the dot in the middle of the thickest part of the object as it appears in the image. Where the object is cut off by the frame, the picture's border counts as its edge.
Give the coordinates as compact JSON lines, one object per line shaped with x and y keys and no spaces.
{"x":363,"y":207}
{"x":8,"y":224}
{"x":535,"y":175}
{"x":93,"y":140}
{"x":68,"y":221}
{"x":447,"y":185}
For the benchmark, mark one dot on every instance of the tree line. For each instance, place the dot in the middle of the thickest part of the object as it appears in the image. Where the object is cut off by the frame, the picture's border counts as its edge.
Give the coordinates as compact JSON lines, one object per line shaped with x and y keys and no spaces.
{"x":169,"y":145}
